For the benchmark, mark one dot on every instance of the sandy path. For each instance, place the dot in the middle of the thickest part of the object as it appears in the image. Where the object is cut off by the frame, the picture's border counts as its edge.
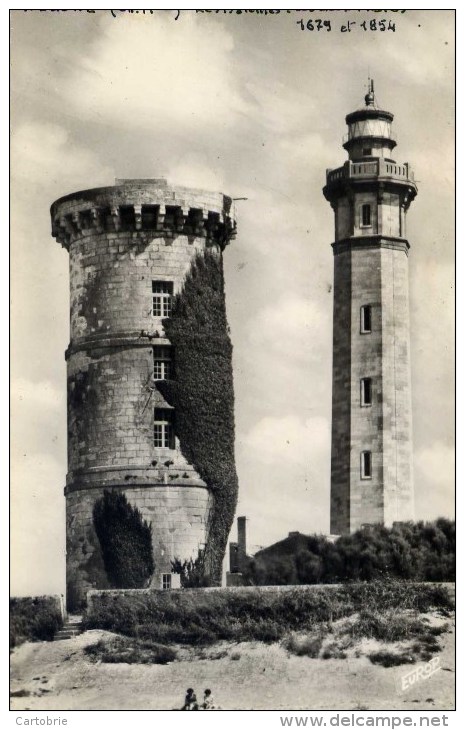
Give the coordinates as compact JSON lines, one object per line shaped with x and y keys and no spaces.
{"x":58,"y":676}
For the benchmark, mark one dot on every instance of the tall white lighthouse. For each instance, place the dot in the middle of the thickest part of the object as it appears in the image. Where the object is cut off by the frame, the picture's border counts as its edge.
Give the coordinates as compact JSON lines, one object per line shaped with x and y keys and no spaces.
{"x":371,"y":452}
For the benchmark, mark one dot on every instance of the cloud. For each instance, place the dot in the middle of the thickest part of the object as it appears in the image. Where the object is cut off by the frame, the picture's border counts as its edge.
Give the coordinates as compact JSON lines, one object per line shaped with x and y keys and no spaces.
{"x":193,"y":171}
{"x":288,"y":441}
{"x":434,"y":481}
{"x":38,"y":412}
{"x":282,"y":364}
{"x":424,"y":57}
{"x":437,"y":278}
{"x":43,"y":395}
{"x":286,"y":462}
{"x":280,"y":108}
{"x":158,"y":74}
{"x":46,"y":159}
{"x":291,"y":326}
{"x":432,"y":338}
{"x":37,"y":526}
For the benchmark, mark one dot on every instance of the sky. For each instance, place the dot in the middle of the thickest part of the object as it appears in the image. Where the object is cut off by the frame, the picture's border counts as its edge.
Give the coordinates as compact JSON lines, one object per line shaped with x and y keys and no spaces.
{"x":253,"y":106}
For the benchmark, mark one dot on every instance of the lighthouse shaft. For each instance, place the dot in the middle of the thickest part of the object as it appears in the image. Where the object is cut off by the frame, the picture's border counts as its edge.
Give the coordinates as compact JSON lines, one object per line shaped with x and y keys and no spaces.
{"x":371,"y":455}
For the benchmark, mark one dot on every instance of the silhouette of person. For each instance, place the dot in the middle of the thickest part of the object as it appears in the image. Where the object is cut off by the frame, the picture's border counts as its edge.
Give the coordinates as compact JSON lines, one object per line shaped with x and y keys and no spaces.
{"x":207,"y":703}
{"x":190,"y":701}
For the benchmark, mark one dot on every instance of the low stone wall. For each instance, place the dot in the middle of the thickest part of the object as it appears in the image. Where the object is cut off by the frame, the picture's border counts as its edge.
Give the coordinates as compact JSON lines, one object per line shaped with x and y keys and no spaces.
{"x":94,"y":596}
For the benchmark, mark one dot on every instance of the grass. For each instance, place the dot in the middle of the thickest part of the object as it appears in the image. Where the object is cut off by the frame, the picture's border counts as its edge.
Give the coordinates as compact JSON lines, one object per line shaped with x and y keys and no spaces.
{"x":326,"y":622}
{"x":306,"y":645}
{"x":120,"y":649}
{"x":392,"y":625}
{"x":33,"y":619}
{"x":398,"y":626}
{"x":390,"y":658}
{"x":338,"y":648}
{"x":196,"y":617}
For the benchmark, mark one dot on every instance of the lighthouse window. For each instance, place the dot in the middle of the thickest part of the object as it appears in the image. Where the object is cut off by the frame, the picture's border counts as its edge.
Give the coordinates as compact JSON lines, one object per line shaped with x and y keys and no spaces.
{"x":162,"y":293}
{"x":366,"y":214}
{"x":365,"y":465}
{"x":365,"y":319}
{"x":366,"y":152}
{"x":163,"y":433}
{"x":365,"y":392}
{"x":162,"y":363}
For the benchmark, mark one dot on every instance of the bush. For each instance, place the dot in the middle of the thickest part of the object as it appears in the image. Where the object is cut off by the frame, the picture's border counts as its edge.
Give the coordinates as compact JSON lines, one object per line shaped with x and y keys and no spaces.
{"x":34,"y":619}
{"x":391,"y":658}
{"x":309,"y":645}
{"x":203,"y":617}
{"x":120,"y":649}
{"x":192,"y":572}
{"x":412,"y":551}
{"x":125,"y":541}
{"x":203,"y":396}
{"x":392,"y":626}
{"x":334,"y":651}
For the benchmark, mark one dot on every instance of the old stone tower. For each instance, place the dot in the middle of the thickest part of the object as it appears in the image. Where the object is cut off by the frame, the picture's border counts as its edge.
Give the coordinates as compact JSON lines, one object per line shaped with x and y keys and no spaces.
{"x":150,"y":399}
{"x":371,"y":452}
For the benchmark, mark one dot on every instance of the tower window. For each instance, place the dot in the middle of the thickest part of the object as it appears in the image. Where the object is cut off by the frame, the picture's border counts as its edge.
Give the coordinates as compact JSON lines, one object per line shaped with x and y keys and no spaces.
{"x":162,"y":363}
{"x":366,"y":151}
{"x":162,"y":293}
{"x":365,"y":319}
{"x":365,"y":392}
{"x":166,"y":581}
{"x":366,"y":215}
{"x":365,"y":465}
{"x":163,"y":433}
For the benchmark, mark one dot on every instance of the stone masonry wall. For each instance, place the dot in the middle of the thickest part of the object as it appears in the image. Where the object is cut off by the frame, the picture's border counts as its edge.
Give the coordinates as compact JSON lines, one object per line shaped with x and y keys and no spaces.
{"x":111,"y":278}
{"x":370,"y":269}
{"x":178,"y":515}
{"x":397,"y":410}
{"x":366,"y":431}
{"x":340,"y":439}
{"x":371,"y":273}
{"x":386,"y":212}
{"x":120,"y":240}
{"x":111,"y":397}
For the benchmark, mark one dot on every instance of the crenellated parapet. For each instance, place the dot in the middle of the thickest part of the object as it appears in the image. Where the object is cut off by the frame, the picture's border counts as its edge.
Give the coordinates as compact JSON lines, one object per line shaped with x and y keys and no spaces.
{"x":133,"y":248}
{"x":150,"y":206}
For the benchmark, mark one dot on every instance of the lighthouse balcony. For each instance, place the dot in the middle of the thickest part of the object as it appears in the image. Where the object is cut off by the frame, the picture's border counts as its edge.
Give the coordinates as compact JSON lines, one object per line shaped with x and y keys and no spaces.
{"x":380,"y":168}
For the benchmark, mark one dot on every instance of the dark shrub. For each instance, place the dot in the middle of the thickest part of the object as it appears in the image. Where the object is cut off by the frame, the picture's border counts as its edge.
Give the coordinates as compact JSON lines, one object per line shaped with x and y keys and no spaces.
{"x":414,"y":551}
{"x":192,"y":572}
{"x":309,"y":645}
{"x":391,"y":658}
{"x":125,"y":541}
{"x":119,"y":649}
{"x":34,"y":619}
{"x":203,"y":397}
